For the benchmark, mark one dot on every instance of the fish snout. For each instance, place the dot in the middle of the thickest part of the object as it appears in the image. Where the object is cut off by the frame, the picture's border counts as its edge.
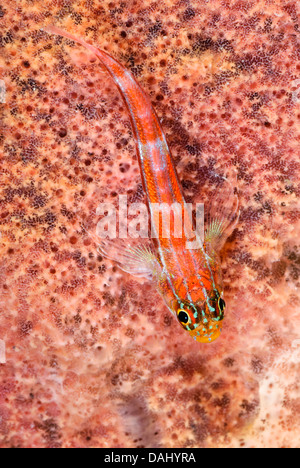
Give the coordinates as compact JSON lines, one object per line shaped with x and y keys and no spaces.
{"x":207,"y":333}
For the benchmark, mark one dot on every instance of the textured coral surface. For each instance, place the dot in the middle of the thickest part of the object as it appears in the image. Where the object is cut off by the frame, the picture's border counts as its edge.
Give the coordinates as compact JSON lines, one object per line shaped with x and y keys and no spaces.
{"x":93,"y":358}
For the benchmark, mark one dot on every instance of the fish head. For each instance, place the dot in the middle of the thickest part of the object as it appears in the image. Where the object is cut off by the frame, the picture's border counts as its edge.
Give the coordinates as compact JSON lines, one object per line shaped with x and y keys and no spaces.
{"x":202,"y":320}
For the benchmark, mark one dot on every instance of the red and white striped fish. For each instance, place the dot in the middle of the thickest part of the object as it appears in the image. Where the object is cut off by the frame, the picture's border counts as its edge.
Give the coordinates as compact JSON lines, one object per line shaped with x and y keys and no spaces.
{"x":188,"y":279}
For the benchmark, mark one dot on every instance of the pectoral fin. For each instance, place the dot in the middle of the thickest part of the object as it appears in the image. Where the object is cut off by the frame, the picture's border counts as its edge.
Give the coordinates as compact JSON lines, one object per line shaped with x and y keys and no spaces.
{"x":222,"y":215}
{"x":136,"y":258}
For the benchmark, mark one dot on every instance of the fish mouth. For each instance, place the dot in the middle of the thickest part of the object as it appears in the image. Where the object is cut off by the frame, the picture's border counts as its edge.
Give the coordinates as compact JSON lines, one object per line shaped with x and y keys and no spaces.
{"x":208,"y":334}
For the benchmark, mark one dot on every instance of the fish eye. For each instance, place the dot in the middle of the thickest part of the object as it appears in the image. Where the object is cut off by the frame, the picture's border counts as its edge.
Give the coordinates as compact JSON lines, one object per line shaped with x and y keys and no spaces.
{"x":222,"y":304}
{"x":183,"y":316}
{"x":221,"y":307}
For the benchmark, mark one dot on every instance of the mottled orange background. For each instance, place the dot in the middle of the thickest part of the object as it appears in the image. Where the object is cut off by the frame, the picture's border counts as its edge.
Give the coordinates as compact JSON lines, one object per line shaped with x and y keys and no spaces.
{"x":93,"y":358}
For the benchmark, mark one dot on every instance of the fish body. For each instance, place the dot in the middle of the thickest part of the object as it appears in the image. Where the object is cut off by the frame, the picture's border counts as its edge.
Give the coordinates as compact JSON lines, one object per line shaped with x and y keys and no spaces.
{"x":188,"y":279}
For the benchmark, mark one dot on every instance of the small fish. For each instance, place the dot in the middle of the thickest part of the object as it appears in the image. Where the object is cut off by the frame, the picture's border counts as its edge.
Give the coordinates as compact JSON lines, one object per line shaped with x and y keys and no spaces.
{"x":188,"y":279}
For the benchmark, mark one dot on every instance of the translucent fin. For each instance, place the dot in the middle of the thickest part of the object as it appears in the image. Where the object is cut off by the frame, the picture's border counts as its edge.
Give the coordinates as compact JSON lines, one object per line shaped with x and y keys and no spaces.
{"x":138,"y":260}
{"x":132,"y":256}
{"x":222,"y":214}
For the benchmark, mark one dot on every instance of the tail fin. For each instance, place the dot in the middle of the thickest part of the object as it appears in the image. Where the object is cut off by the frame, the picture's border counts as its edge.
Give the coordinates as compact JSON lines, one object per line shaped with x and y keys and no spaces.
{"x":51,"y":29}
